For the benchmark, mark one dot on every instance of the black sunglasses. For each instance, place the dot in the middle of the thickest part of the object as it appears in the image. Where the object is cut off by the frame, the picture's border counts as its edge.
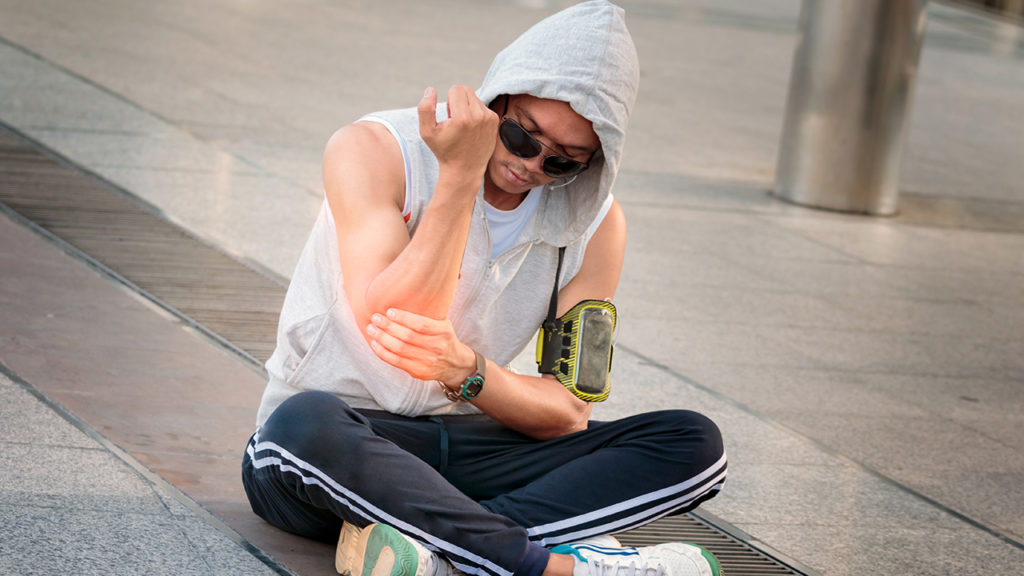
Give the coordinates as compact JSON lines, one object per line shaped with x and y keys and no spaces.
{"x":520,"y":142}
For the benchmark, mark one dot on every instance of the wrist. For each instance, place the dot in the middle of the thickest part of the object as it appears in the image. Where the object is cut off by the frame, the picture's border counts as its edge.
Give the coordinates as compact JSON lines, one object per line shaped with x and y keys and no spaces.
{"x":463,"y":367}
{"x":466,"y":387}
{"x":458,"y":181}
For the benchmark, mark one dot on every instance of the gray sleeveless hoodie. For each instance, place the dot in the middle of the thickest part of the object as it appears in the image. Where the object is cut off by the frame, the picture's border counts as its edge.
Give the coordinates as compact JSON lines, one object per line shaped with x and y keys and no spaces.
{"x":582,"y":55}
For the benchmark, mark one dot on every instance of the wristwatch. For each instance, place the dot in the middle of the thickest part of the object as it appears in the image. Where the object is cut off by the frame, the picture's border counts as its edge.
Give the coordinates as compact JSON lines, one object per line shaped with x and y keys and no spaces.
{"x":471,"y":388}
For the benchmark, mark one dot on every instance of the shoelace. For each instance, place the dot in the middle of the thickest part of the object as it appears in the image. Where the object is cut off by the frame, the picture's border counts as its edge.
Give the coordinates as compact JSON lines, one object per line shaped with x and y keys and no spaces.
{"x":601,"y":567}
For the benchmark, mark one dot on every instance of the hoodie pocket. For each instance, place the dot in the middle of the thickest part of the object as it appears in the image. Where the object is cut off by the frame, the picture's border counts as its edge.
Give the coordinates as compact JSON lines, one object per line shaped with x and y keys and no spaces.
{"x":304,"y":340}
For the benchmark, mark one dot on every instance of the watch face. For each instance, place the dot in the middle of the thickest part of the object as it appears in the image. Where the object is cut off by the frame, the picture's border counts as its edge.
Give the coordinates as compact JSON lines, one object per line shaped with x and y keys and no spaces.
{"x":472,"y":387}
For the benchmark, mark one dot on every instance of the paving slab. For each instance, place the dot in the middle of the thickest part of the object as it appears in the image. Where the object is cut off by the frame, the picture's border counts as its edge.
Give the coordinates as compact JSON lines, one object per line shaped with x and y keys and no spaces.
{"x":70,"y":504}
{"x":810,"y":336}
{"x":178,"y":405}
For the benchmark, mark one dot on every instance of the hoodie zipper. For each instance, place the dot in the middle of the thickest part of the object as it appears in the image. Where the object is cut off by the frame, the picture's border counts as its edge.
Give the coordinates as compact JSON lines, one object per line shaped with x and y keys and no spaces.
{"x":471,"y":299}
{"x":491,"y":262}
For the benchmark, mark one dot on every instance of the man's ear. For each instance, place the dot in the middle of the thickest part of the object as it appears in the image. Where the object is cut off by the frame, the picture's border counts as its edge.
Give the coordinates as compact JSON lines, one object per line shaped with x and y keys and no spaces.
{"x":499,"y":103}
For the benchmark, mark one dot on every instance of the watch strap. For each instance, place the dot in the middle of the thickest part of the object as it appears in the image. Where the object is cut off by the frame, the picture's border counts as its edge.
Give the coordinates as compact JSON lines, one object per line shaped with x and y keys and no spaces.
{"x":449,"y":393}
{"x":481,"y":365}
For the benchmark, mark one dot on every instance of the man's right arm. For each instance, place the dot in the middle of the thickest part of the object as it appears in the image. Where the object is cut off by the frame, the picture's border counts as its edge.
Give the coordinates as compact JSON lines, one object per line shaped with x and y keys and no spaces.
{"x":364,"y":179}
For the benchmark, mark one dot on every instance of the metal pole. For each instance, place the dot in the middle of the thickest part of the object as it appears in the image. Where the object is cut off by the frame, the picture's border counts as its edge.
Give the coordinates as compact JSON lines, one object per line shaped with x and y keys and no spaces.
{"x":849,"y":102}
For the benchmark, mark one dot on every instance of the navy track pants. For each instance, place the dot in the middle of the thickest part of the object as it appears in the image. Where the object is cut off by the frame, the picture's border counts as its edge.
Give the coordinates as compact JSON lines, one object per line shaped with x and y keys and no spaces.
{"x":487,"y":498}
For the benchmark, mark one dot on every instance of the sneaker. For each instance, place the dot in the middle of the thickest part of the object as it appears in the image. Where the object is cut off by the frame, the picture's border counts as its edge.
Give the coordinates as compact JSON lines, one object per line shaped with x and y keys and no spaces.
{"x":672,"y":559}
{"x":380,"y":550}
{"x":603,"y":541}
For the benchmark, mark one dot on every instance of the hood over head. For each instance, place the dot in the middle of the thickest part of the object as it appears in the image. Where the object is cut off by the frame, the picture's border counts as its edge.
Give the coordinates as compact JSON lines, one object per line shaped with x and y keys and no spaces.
{"x":583,"y":55}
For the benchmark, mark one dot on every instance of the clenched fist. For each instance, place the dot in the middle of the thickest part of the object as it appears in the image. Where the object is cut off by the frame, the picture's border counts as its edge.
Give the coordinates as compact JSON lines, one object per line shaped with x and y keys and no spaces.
{"x":463,"y":143}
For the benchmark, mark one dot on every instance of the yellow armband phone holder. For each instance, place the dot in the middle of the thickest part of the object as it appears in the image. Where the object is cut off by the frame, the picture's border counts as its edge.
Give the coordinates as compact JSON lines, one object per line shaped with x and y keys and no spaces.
{"x":577,"y":347}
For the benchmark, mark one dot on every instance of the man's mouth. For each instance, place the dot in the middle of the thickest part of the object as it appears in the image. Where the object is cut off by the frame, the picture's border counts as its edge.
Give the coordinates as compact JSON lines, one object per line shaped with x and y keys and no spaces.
{"x":514,"y":178}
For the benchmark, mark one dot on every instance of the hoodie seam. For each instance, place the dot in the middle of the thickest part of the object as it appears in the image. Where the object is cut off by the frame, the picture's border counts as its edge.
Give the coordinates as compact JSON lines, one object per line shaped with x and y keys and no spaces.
{"x":597,"y":68}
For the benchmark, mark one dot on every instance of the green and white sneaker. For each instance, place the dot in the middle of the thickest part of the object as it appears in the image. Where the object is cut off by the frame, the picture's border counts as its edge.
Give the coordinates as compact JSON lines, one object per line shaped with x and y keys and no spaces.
{"x":380,"y":550}
{"x":672,"y":559}
{"x":603,"y":541}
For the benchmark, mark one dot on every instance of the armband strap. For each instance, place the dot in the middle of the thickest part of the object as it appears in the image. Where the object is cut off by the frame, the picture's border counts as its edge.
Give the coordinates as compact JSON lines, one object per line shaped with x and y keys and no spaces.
{"x":577,"y":347}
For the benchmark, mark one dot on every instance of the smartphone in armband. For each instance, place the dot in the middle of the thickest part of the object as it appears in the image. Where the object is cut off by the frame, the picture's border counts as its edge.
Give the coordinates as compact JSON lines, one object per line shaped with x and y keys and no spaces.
{"x":577,"y":349}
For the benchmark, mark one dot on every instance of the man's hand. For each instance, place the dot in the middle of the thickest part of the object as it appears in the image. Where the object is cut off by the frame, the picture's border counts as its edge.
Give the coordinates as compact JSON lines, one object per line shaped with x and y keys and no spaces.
{"x":463,"y":143}
{"x":425,"y":348}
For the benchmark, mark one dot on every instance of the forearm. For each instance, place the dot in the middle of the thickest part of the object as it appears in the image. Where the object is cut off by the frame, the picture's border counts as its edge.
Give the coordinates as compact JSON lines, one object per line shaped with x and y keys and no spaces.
{"x":428,"y":349}
{"x":365,"y":182}
{"x":423,"y":277}
{"x":539,"y":407}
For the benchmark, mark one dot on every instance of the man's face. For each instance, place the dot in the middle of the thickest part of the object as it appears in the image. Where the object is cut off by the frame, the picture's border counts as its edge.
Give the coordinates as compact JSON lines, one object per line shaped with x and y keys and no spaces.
{"x":560,"y":130}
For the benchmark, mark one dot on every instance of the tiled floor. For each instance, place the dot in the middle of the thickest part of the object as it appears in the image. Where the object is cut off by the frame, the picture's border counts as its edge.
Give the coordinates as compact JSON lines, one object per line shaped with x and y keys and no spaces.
{"x":868,"y":373}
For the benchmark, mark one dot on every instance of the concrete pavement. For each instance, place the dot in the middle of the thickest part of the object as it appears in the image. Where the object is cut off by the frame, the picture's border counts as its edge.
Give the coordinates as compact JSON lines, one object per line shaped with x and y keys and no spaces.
{"x":869,"y":373}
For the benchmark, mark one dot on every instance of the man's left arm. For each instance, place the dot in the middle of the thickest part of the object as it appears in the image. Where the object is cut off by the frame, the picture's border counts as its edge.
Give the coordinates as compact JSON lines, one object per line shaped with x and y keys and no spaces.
{"x":538,"y":406}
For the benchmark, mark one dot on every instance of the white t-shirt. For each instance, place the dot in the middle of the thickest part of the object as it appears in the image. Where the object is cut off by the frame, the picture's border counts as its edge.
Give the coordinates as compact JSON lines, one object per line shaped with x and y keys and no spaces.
{"x":507,"y":225}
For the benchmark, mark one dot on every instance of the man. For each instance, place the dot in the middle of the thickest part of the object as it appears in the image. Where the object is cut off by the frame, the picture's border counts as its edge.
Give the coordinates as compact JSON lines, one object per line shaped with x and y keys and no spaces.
{"x":390,"y":417}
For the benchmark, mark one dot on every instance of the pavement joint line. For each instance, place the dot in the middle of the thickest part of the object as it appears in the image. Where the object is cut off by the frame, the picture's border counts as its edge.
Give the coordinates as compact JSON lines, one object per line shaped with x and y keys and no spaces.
{"x":142,"y":202}
{"x":80,"y":78}
{"x":135,"y":105}
{"x":726,"y":527}
{"x":145,"y":473}
{"x":133,"y":288}
{"x":118,"y":278}
{"x":992,"y":531}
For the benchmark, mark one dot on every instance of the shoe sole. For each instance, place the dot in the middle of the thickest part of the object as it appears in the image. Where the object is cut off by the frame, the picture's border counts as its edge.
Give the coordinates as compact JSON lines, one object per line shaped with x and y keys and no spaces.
{"x":696,"y":552}
{"x":377,"y":550}
{"x":716,"y":567}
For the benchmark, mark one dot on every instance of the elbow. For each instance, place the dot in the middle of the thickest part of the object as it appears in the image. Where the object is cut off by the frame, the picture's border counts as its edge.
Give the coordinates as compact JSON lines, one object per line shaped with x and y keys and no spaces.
{"x":551,"y":433}
{"x":380,"y":301}
{"x":569,"y":422}
{"x":371,"y":305}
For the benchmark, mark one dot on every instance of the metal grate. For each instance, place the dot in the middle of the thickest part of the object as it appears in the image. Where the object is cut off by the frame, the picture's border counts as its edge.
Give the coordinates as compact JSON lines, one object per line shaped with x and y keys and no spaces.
{"x":737,"y":557}
{"x":228,"y":300}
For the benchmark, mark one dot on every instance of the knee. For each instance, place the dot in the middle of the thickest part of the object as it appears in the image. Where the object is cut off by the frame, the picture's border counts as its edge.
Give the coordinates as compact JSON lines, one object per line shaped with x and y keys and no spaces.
{"x":692,"y":436}
{"x":303,"y":419}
